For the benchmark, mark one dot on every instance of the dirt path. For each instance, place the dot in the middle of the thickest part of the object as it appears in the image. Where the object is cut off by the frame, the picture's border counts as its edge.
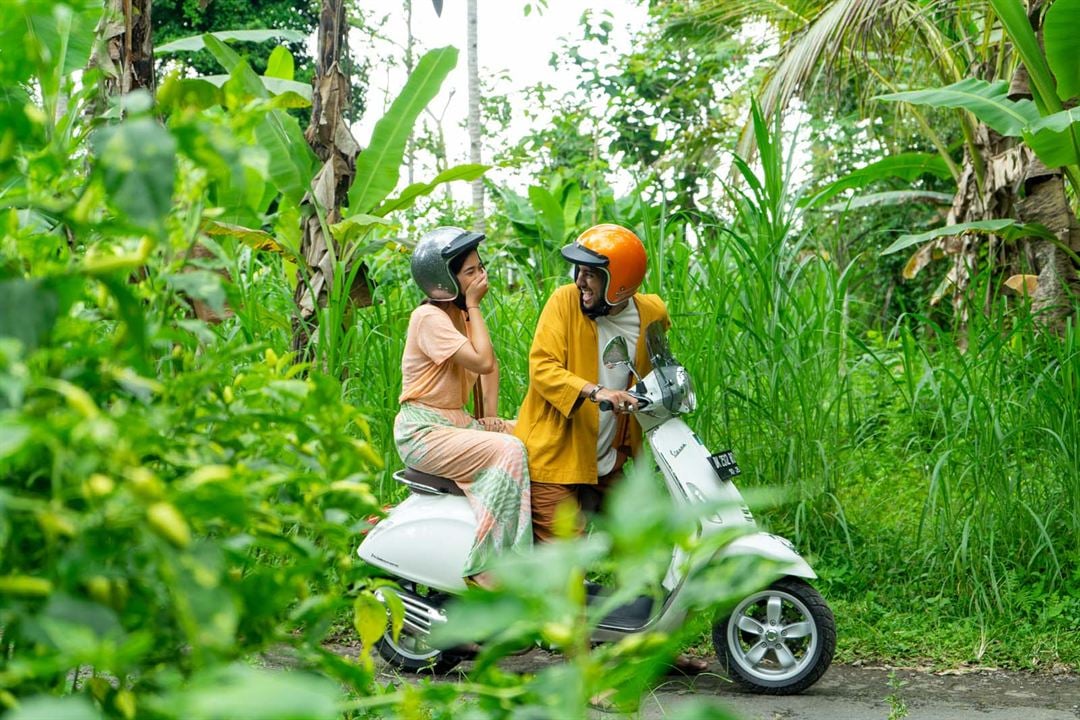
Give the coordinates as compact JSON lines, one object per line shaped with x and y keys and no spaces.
{"x":860,"y":693}
{"x":853,"y":693}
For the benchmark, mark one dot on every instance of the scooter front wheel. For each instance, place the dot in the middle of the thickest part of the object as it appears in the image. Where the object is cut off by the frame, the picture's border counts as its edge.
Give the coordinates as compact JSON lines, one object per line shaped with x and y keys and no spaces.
{"x":778,"y":641}
{"x":412,"y":654}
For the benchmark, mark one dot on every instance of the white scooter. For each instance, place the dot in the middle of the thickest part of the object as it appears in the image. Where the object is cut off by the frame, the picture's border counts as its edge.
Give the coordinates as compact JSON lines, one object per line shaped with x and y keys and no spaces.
{"x":779,"y":640}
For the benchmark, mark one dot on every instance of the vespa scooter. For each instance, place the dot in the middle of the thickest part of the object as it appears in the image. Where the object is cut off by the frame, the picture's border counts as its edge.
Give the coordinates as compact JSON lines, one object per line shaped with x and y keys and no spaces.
{"x":779,"y":640}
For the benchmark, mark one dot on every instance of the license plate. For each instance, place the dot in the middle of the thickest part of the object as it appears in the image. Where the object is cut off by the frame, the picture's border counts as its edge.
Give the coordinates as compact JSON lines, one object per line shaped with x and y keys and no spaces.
{"x":724,"y":464}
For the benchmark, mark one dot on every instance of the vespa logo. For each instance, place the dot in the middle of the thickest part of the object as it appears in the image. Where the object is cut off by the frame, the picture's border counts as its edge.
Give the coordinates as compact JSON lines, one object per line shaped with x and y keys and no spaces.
{"x":676,"y":451}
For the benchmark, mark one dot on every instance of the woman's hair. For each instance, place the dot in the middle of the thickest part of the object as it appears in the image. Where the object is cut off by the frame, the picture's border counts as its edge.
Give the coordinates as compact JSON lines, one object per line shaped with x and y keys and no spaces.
{"x":457,"y":261}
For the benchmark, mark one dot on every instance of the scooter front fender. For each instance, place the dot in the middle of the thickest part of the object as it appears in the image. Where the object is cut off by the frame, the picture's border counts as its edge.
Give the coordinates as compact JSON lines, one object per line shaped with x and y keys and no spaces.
{"x":771,"y":547}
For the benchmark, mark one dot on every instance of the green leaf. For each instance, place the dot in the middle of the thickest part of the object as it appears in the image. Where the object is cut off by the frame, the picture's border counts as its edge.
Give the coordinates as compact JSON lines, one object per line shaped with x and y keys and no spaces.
{"x":891,"y":197}
{"x":410,"y":194}
{"x":905,"y":166}
{"x":396,"y":608}
{"x":133,"y":315}
{"x":29,"y":308}
{"x":571,"y":204}
{"x":43,"y":707}
{"x":1014,"y":19}
{"x":240,"y":73}
{"x":272,"y":85}
{"x":137,"y":163}
{"x":196,"y":93}
{"x":198,"y":42}
{"x":1006,"y":227}
{"x":12,"y":436}
{"x":986,"y":101}
{"x":369,"y":619}
{"x":281,"y":64}
{"x":1054,"y":138}
{"x":225,"y":55}
{"x":378,"y":166}
{"x":242,"y":692}
{"x":1059,"y":39}
{"x":200,"y":285}
{"x":549,"y":212}
{"x":63,"y":38}
{"x":352,"y":227}
{"x":292,"y":164}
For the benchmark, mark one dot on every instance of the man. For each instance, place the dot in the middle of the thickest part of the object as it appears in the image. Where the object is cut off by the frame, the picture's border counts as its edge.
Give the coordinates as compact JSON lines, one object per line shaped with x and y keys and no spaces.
{"x":575,"y":450}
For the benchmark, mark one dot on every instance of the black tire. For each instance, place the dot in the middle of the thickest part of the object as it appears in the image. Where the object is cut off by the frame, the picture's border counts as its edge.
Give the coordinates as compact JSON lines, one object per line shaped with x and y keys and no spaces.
{"x":778,"y":641}
{"x":411,"y":654}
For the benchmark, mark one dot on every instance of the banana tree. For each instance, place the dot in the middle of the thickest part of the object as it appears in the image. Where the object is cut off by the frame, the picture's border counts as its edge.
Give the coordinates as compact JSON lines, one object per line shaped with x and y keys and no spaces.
{"x":1039,"y":148}
{"x":954,"y":43}
{"x":125,"y":53}
{"x":348,"y":197}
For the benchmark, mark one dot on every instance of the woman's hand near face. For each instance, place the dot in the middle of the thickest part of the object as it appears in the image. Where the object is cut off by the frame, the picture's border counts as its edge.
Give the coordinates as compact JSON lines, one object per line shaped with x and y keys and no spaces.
{"x":477,"y":288}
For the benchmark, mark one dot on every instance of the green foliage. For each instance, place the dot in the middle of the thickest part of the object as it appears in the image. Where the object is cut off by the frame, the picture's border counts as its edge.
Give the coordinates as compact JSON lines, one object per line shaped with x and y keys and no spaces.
{"x":377,"y":169}
{"x":1061,"y":17}
{"x":1006,"y":228}
{"x":257,"y":27}
{"x":987,"y":101}
{"x":906,"y":166}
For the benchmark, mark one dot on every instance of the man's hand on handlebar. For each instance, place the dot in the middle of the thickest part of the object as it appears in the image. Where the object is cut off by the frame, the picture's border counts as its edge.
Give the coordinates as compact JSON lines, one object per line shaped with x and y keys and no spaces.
{"x":619,"y":402}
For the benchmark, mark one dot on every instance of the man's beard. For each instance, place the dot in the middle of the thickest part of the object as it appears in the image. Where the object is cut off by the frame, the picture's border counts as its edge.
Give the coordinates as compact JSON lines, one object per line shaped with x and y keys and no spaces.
{"x":600,"y":310}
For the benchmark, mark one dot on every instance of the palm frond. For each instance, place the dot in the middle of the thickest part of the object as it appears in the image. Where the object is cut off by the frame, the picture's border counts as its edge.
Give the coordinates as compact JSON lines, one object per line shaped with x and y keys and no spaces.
{"x":719,"y":17}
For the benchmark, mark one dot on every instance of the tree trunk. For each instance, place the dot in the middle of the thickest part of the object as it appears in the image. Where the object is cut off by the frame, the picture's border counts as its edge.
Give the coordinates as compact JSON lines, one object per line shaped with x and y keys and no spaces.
{"x":474,"y":118}
{"x":1015,"y":184}
{"x":1044,"y":201}
{"x":126,"y":52}
{"x":331,"y":140}
{"x":409,"y":40}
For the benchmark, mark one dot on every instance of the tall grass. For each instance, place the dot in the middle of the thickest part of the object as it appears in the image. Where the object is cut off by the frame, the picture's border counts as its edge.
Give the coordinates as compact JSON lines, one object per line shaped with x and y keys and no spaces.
{"x":912,"y":468}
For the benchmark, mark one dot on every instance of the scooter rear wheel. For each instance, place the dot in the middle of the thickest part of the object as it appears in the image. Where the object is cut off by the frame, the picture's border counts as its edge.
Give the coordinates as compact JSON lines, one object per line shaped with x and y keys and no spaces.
{"x":779,"y":641}
{"x":412,"y":654}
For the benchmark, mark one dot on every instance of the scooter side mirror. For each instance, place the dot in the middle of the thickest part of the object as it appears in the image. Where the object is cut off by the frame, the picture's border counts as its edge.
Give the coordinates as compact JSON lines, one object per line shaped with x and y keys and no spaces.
{"x":616,"y":353}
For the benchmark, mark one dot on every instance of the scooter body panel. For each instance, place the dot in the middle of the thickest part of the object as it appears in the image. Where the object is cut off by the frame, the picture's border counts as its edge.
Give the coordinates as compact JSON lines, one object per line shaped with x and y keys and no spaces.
{"x":691,"y":480}
{"x":771,"y":547}
{"x":425,"y":539}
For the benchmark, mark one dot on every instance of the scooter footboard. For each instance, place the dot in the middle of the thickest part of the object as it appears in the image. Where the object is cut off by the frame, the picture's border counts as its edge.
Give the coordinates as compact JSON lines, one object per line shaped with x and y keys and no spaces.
{"x":772,"y":547}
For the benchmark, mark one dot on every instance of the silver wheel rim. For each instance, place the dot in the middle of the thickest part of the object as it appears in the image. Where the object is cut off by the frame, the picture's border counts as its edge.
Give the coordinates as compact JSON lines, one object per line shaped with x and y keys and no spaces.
{"x":772,"y":636}
{"x":411,"y":647}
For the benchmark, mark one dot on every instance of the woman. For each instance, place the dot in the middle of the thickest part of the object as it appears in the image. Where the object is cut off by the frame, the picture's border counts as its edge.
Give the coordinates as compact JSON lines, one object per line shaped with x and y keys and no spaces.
{"x":447,"y":350}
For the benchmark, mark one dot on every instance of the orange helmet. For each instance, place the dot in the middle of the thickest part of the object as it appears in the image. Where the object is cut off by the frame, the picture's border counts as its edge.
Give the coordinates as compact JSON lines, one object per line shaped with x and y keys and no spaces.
{"x":616,"y":250}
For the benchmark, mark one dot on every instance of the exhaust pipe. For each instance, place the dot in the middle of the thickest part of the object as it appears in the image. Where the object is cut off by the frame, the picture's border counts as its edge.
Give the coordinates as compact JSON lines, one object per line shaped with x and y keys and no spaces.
{"x":420,"y":615}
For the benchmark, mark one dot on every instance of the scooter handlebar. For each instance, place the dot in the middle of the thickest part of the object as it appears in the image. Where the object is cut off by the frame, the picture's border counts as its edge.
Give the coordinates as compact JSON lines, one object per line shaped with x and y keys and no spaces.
{"x":642,"y":402}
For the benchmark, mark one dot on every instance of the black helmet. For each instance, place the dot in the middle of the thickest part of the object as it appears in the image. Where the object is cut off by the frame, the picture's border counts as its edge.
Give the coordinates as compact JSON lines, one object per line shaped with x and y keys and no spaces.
{"x":432,"y":257}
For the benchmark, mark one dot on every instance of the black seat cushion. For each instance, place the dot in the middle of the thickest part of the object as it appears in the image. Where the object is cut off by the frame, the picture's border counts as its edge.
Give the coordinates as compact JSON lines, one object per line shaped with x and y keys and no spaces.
{"x":435,"y":482}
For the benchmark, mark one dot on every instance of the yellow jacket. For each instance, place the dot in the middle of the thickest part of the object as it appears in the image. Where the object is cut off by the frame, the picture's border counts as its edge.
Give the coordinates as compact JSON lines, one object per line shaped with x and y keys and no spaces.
{"x":559,"y":428}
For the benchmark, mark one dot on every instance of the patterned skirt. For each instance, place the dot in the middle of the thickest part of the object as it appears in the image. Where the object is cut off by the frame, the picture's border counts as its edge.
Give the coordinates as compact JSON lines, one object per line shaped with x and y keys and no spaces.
{"x":490,"y":467}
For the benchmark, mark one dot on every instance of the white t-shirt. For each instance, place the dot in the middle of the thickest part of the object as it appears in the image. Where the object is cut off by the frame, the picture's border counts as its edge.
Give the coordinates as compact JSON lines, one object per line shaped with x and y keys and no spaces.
{"x":628,"y":324}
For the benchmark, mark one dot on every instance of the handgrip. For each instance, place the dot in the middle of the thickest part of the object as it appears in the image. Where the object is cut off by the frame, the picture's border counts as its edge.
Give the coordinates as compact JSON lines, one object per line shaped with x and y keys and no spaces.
{"x":606,"y":405}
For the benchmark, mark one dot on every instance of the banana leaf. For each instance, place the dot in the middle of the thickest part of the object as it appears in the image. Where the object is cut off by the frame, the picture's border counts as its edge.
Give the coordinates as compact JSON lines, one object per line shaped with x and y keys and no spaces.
{"x":195,"y":43}
{"x":986,"y":101}
{"x":1014,"y":18}
{"x":905,"y":166}
{"x":379,"y":165}
{"x":1054,"y":138}
{"x":891,"y":197}
{"x":1059,"y":40}
{"x":410,"y":194}
{"x":1006,"y":227}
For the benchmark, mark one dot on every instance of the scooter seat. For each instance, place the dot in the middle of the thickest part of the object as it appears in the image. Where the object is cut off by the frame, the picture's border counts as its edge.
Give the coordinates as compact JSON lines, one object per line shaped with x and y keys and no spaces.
{"x":426,"y":483}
